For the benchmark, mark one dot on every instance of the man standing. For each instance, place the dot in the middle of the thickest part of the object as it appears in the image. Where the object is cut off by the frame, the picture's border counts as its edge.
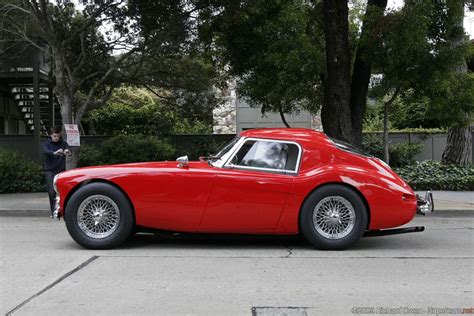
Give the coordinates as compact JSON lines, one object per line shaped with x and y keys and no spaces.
{"x":55,"y":152}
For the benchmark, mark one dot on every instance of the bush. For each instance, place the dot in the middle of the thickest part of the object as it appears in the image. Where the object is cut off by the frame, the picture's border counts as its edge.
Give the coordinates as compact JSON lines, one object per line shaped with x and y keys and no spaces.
{"x":403,"y":154}
{"x":19,"y":174}
{"x":89,"y":156}
{"x":150,"y":119}
{"x":436,"y":176}
{"x":200,"y":146}
{"x":400,"y":154}
{"x":126,"y":148}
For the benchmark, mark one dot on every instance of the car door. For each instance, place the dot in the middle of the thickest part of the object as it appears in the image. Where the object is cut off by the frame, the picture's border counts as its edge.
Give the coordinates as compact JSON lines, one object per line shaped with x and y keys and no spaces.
{"x":251,"y":190}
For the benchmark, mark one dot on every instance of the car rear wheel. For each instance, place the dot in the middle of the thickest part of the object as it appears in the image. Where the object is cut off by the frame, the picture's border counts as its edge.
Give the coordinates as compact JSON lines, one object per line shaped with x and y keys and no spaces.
{"x":333,"y":217}
{"x":99,"y":216}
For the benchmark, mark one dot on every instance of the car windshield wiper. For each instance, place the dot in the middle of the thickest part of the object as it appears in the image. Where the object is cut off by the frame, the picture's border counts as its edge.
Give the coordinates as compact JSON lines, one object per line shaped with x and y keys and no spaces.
{"x":209,"y":158}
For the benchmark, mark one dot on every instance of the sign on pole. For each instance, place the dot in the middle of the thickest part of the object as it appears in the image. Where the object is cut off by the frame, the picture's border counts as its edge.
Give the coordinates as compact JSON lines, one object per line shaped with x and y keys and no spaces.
{"x":73,"y":137}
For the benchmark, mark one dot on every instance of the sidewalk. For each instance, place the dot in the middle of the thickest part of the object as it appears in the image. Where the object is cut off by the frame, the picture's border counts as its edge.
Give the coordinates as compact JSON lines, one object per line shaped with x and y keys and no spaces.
{"x":37,"y":204}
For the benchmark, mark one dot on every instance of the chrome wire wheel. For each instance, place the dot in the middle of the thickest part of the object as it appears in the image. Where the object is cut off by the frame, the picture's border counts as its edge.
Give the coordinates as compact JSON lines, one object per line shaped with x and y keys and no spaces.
{"x":334,"y":217}
{"x":98,"y":216}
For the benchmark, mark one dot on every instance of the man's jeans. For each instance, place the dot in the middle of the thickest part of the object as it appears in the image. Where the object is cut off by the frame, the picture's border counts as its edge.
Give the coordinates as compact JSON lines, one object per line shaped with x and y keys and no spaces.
{"x":52,"y":194}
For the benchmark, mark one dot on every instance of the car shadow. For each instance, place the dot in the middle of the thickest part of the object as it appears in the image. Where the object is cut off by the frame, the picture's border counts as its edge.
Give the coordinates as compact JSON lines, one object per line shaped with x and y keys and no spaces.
{"x":263,"y":242}
{"x":224,"y":241}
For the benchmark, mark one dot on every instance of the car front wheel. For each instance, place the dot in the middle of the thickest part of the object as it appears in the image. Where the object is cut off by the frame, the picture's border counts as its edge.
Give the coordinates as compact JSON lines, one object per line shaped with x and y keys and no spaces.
{"x":99,"y":216}
{"x":333,"y":217}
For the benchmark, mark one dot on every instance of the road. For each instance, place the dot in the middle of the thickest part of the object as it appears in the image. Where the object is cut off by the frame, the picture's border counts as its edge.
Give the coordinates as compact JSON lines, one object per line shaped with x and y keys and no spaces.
{"x":43,"y":272}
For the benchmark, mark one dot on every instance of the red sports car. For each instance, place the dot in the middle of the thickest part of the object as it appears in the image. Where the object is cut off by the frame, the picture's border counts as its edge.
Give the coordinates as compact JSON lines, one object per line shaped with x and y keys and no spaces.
{"x":265,"y":181}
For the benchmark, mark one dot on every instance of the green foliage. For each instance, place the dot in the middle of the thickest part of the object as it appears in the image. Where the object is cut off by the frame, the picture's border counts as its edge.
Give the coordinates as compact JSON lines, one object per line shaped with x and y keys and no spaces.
{"x":373,"y":118}
{"x":89,"y":155}
{"x":404,"y":115}
{"x":126,"y":148}
{"x":274,"y":48}
{"x":422,"y":55}
{"x":19,"y":174}
{"x":133,"y":96}
{"x":436,"y":176}
{"x":400,"y":154}
{"x":403,"y":154}
{"x":137,"y":111}
{"x":413,"y":114}
{"x":200,"y":145}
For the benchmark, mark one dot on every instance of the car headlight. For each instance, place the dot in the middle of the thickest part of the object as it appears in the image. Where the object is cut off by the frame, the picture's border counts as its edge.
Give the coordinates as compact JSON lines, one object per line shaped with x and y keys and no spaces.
{"x":54,"y":183}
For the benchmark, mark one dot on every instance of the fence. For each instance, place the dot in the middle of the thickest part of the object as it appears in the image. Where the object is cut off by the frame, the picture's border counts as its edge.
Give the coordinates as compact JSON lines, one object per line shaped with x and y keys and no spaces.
{"x":433,"y":144}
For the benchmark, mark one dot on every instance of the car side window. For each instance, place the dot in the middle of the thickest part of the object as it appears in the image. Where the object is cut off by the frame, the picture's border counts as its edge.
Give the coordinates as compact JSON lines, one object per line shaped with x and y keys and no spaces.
{"x":267,"y":155}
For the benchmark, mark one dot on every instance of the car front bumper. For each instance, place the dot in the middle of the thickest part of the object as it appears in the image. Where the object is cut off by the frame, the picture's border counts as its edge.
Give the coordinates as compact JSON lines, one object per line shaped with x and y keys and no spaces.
{"x":425,"y":205}
{"x":57,"y":207}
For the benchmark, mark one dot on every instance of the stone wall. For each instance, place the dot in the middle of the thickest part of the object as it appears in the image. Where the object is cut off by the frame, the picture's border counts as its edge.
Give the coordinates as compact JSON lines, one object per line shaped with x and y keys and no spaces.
{"x":225,"y":114}
{"x":316,"y":122}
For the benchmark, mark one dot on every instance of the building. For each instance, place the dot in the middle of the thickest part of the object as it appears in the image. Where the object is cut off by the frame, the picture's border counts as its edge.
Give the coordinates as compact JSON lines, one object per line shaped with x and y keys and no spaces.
{"x":236,"y":115}
{"x":27,"y":107}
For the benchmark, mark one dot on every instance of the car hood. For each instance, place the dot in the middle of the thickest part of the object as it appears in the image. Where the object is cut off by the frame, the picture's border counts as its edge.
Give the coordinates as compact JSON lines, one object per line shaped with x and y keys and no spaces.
{"x":132,"y":168}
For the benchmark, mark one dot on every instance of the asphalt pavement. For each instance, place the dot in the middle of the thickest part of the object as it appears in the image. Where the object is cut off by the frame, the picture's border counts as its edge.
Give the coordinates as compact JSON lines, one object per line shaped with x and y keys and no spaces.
{"x":44,"y":272}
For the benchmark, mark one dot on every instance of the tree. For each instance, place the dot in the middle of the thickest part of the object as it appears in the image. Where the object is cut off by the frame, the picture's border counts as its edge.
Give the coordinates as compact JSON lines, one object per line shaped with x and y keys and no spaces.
{"x":273,"y":48}
{"x":336,"y":111}
{"x":285,"y":69}
{"x":422,"y":69}
{"x":362,"y":67}
{"x":459,"y":140}
{"x":74,"y":41}
{"x":178,"y":70}
{"x":108,"y":43}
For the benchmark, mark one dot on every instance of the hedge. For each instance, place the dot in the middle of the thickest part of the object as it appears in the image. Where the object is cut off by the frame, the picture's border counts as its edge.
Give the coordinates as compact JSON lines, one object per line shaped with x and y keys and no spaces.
{"x":126,"y":148}
{"x":436,"y":176}
{"x":400,"y":154}
{"x":18,"y":174}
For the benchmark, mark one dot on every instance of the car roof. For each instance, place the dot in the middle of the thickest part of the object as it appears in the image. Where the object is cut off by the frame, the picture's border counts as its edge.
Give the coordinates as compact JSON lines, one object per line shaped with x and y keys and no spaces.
{"x":292,"y":134}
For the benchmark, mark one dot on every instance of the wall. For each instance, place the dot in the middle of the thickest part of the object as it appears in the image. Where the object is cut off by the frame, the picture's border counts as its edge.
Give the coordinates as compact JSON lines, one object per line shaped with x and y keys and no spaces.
{"x":251,"y":117}
{"x":433,"y":144}
{"x":235,"y":115}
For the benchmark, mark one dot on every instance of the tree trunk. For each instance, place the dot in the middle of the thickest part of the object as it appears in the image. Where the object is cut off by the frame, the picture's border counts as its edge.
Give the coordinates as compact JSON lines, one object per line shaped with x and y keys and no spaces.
{"x":65,"y":98}
{"x":386,"y":109}
{"x":282,"y":116}
{"x":458,"y":146}
{"x":459,"y":141}
{"x":335,"y":112}
{"x":363,"y":65}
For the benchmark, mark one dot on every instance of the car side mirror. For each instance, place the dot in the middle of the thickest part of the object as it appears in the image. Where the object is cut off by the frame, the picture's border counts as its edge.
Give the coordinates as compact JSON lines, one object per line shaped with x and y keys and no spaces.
{"x":183,"y":162}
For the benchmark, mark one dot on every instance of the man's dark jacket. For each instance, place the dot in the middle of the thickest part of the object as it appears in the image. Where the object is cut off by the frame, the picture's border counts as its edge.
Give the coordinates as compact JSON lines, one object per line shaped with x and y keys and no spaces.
{"x":52,"y":162}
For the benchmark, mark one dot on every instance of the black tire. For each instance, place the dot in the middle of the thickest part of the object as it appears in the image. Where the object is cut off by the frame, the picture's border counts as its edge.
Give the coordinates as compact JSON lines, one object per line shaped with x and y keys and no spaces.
{"x":123,"y":226}
{"x":308,"y":228}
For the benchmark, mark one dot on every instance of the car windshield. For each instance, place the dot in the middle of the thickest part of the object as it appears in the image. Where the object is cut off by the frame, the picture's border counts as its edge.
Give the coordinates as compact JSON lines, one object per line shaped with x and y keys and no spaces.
{"x":224,"y":149}
{"x":348,"y":147}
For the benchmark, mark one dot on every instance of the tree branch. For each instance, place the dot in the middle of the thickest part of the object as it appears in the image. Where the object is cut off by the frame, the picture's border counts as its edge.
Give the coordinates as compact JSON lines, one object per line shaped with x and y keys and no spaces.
{"x":82,"y":58}
{"x":282,"y":115}
{"x":158,"y":95}
{"x":82,"y":109}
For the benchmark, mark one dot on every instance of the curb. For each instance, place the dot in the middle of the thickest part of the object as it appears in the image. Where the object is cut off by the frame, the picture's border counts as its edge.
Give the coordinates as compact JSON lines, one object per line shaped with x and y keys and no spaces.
{"x":25,"y":213}
{"x":46,"y":213}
